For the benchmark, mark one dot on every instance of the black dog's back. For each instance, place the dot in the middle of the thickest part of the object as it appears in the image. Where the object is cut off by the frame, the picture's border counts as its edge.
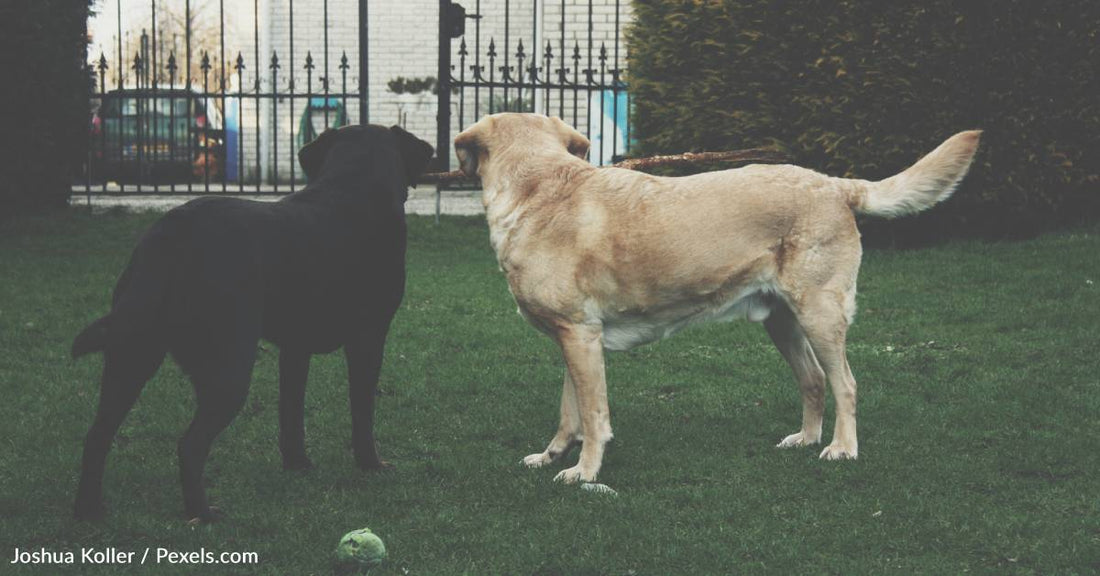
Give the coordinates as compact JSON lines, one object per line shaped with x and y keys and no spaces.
{"x":189,"y":260}
{"x":312,"y":268}
{"x":141,"y":290}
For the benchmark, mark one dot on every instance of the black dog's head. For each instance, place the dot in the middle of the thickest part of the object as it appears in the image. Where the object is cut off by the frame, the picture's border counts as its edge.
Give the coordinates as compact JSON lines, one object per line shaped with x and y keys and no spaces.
{"x":366,"y":152}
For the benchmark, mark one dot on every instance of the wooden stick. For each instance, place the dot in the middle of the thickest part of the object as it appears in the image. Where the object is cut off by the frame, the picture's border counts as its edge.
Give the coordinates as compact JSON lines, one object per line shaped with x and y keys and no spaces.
{"x":443,"y":177}
{"x":748,"y":156}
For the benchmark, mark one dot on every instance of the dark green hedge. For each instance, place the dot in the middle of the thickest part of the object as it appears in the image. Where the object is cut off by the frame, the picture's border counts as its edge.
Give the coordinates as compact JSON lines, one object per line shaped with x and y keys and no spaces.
{"x":44,"y":100}
{"x":864,"y":87}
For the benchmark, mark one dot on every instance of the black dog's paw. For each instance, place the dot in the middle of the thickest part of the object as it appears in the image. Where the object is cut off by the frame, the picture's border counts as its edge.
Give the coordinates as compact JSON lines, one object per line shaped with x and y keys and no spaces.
{"x":297,"y":463}
{"x":211,"y":515}
{"x":90,"y":511}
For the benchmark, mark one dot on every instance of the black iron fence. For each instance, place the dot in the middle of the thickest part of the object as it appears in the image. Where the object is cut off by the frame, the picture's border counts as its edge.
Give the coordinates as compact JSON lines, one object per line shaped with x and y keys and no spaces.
{"x":217,"y":96}
{"x":564,"y":58}
{"x":226,"y":113}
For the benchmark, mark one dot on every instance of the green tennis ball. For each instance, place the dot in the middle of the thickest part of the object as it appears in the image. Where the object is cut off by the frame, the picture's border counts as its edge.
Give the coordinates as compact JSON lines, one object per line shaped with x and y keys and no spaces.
{"x":359,"y":549}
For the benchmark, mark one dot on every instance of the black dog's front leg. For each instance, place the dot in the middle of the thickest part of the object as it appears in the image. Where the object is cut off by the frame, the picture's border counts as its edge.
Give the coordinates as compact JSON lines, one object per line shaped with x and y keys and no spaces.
{"x":293,"y":372}
{"x":364,"y":358}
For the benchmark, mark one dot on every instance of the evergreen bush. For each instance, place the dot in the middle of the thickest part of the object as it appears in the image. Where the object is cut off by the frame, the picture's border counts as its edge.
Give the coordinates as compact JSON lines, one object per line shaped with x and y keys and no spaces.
{"x":863,"y":88}
{"x":45,"y":101}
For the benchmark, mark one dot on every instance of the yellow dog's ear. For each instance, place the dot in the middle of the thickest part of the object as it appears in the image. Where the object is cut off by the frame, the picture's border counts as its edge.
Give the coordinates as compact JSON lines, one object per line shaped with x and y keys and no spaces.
{"x":574,"y":141}
{"x":471,"y":144}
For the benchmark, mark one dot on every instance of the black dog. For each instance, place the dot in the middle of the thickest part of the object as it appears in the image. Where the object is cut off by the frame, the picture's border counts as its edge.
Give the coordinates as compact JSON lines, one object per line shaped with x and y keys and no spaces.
{"x":321,"y":269}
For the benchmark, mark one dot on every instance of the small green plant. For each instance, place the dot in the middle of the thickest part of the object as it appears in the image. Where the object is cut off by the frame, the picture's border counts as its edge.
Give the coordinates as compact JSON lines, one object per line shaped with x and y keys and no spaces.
{"x":402,"y":85}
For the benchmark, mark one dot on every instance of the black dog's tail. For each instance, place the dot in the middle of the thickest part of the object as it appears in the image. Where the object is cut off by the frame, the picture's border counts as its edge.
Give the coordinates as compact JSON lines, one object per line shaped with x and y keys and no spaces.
{"x":139,"y":295}
{"x":134,"y":314}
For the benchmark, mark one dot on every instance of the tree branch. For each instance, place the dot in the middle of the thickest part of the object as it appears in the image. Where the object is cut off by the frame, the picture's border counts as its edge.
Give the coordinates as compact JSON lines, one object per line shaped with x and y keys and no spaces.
{"x":748,"y":156}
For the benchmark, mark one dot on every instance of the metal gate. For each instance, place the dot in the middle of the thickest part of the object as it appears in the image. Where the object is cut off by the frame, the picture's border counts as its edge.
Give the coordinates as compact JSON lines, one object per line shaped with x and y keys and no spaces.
{"x":206,"y":99}
{"x":557,"y":57}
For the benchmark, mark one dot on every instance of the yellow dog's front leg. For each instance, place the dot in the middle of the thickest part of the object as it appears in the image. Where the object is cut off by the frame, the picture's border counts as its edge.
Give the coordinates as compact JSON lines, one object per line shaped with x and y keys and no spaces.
{"x":582,"y":346}
{"x":569,"y":430}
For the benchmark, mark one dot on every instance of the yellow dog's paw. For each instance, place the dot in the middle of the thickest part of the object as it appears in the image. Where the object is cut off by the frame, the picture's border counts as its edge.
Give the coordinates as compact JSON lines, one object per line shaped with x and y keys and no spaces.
{"x":839,"y":452}
{"x":799,"y":439}
{"x":575,"y":474}
{"x":537,"y":460}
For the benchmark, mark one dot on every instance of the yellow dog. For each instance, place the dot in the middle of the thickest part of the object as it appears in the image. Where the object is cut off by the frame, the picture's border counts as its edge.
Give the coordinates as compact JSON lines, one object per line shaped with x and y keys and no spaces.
{"x":610,"y":258}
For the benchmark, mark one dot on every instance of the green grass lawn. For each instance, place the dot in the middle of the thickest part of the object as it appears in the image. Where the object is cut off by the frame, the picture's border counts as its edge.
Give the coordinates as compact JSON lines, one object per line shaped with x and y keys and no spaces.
{"x":979,"y":440}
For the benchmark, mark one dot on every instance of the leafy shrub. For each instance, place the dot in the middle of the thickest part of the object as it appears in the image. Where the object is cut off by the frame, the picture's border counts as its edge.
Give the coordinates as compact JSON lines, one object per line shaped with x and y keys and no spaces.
{"x":45,"y":101}
{"x":402,"y":85}
{"x":863,"y":88}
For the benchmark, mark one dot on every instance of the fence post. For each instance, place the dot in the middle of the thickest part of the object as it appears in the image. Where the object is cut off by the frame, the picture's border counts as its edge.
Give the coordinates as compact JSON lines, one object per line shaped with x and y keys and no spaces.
{"x":364,"y":61}
{"x":443,"y":111}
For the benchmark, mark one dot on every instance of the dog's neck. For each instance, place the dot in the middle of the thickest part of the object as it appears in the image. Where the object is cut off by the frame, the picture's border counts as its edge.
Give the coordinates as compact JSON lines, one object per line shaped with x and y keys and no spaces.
{"x":356,"y":183}
{"x":511,"y":182}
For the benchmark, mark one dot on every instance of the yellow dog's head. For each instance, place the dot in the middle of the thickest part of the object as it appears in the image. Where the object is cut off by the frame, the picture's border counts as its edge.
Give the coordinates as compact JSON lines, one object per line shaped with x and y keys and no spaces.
{"x":496,"y":134}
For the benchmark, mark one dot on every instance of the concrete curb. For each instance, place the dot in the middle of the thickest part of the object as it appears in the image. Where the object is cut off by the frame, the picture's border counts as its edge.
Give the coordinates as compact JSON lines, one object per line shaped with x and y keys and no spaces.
{"x":422,"y":201}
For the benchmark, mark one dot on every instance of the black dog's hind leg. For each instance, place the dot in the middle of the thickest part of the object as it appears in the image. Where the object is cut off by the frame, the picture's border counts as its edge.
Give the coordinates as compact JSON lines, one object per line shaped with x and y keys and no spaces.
{"x":221,"y":388}
{"x":125,"y":373}
{"x":293,"y":372}
{"x":364,"y":358}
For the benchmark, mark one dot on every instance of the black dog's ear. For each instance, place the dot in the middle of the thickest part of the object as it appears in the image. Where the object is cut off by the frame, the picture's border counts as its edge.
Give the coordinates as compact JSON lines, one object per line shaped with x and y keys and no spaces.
{"x":416,"y":154}
{"x":312,"y":156}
